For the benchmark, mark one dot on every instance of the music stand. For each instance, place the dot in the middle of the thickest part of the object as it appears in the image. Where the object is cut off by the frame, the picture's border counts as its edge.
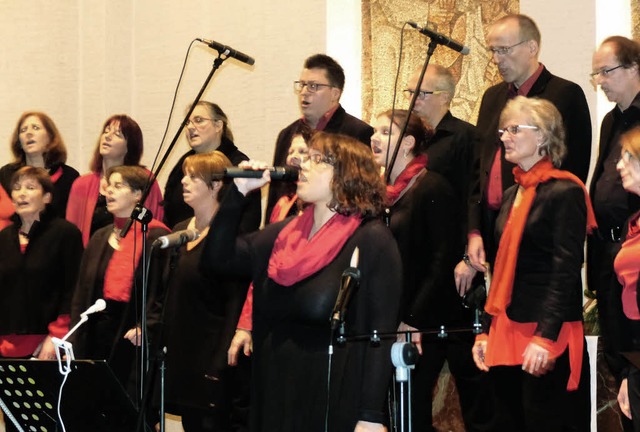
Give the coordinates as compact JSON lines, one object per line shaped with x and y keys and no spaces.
{"x":92,"y":399}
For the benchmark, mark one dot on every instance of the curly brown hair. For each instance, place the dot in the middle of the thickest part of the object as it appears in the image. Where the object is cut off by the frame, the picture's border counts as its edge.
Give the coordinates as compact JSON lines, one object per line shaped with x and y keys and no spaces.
{"x":357,"y":186}
{"x":55,"y":153}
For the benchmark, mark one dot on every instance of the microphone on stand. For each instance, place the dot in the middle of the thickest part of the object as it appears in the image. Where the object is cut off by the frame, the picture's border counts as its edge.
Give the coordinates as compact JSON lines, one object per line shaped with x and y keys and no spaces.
{"x":176,"y":239}
{"x":441,"y":39}
{"x":98,"y":306}
{"x":348,"y":284}
{"x":285,"y":173}
{"x":228,"y":51}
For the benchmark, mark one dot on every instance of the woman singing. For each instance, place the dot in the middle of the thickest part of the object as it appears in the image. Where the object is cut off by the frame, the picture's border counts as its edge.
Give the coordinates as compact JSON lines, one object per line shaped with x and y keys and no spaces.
{"x":201,"y":311}
{"x":40,"y":256}
{"x":207,"y":130}
{"x":627,"y":268}
{"x":120,"y":143}
{"x":424,"y":215}
{"x":296,"y":266}
{"x":36,"y":142}
{"x":534,"y":350}
{"x":111,"y":269}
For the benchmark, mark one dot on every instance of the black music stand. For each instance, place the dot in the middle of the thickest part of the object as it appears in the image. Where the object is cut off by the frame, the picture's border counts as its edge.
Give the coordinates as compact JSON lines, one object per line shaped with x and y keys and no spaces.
{"x":92,"y":399}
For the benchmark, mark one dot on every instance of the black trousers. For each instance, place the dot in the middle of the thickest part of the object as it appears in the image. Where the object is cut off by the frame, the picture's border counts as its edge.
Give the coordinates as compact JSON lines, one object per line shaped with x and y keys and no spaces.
{"x":473,"y":385}
{"x":528,"y":403}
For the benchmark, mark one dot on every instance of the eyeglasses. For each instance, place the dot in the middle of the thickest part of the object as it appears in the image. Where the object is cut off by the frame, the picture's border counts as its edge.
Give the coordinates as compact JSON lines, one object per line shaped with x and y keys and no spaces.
{"x":504,"y":50}
{"x":422,"y":94}
{"x":317,"y":159}
{"x":626,"y":157}
{"x":198,"y":121}
{"x":605,"y":72}
{"x":515,"y":129}
{"x":312,"y":87}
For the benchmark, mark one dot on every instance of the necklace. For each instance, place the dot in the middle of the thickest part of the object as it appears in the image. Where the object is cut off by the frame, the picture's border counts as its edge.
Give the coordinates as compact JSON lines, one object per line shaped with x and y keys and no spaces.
{"x":24,"y":234}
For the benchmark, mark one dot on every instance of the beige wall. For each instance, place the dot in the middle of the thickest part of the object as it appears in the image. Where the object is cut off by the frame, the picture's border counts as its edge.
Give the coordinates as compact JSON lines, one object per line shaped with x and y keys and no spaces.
{"x":82,"y":60}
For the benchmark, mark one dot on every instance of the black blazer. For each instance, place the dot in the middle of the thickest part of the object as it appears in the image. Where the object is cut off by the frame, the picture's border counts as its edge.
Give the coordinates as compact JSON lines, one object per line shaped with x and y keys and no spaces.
{"x":548,"y":285}
{"x":570,"y":100}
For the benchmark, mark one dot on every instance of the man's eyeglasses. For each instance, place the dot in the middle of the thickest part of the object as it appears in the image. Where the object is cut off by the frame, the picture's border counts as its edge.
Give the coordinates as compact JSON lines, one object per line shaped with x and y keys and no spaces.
{"x":317,"y":158}
{"x":605,"y":72}
{"x":197,"y":121}
{"x":504,"y":50}
{"x":422,"y":94}
{"x":515,"y":129}
{"x":312,"y":87}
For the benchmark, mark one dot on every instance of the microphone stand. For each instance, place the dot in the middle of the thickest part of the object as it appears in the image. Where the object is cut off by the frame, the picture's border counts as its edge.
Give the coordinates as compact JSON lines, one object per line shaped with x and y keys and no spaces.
{"x":140,"y":213}
{"x":432,"y":47}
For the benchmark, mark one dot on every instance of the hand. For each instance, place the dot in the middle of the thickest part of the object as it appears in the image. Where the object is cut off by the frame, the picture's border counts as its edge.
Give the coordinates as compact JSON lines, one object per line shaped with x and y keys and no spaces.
{"x":536,"y":360}
{"x":416,"y":338}
{"x":463,"y":274}
{"x":241,"y":340}
{"x":623,"y":398}
{"x":364,"y":426}
{"x":478,"y":351}
{"x":475,"y":250}
{"x":135,"y":336}
{"x":46,"y":350}
{"x":246,"y":185}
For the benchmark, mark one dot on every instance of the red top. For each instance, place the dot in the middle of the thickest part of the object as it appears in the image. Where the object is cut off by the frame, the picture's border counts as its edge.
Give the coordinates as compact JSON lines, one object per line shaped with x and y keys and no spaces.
{"x":25,"y":345}
{"x":627,"y":268}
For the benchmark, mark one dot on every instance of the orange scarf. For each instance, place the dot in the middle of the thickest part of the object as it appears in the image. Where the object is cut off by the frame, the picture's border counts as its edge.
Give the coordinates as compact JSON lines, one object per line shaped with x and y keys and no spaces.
{"x":509,"y":339}
{"x":507,"y":257}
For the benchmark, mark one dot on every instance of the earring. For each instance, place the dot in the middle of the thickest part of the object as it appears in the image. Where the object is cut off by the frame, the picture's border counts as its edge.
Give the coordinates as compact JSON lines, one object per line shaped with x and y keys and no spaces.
{"x":406,"y":153}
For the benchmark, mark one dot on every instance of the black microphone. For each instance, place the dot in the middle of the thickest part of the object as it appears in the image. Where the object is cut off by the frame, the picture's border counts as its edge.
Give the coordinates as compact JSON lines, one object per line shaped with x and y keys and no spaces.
{"x":176,"y":239}
{"x":228,"y":51}
{"x":441,"y":39}
{"x":348,"y":284}
{"x":285,"y":173}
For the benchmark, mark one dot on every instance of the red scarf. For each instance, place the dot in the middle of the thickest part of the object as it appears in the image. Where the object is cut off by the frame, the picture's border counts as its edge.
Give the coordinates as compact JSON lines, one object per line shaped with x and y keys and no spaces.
{"x":295,"y":257}
{"x":507,"y":257}
{"x":414,"y":168}
{"x":118,"y":278}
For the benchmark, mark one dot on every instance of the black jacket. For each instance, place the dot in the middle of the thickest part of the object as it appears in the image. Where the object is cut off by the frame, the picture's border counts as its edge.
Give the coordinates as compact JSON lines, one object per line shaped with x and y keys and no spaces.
{"x":570,"y":100}
{"x":548,"y":286}
{"x":36,"y":287}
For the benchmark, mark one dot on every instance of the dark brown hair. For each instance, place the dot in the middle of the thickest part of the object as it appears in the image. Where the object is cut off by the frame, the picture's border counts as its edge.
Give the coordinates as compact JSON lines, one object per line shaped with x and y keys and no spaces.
{"x":415,"y":128}
{"x":132,"y":134}
{"x":55,"y":153}
{"x":39,"y":174}
{"x":627,"y":50}
{"x":216,"y":113}
{"x":357,"y":186}
{"x":135,"y":176}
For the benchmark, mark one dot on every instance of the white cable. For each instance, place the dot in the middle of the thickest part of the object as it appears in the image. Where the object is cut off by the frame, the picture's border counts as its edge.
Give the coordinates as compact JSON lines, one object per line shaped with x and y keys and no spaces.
{"x":64,"y":380}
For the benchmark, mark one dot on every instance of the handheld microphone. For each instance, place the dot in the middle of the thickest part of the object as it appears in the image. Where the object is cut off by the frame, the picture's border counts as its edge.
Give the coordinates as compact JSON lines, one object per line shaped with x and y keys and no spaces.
{"x":277,"y":173}
{"x":228,"y":51}
{"x":441,"y":39}
{"x":98,"y":306}
{"x":176,"y":239}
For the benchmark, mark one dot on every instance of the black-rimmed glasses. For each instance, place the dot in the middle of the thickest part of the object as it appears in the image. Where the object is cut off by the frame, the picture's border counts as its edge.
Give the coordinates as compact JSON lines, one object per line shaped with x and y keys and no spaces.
{"x":312,"y":87}
{"x":422,"y":94}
